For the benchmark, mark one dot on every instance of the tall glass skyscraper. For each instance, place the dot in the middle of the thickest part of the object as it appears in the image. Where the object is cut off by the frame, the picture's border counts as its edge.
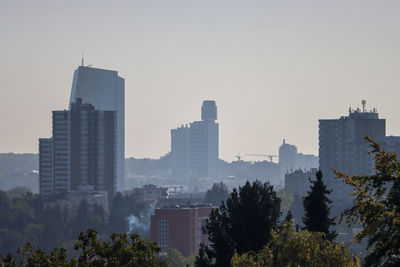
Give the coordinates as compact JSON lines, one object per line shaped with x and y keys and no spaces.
{"x":105,"y":90}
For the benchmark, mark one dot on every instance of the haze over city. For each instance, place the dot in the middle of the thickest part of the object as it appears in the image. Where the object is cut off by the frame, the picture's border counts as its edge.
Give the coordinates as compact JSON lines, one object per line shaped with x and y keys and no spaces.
{"x":273,"y":68}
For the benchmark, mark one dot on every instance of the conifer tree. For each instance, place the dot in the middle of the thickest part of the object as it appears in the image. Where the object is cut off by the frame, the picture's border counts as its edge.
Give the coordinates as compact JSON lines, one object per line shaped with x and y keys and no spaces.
{"x":317,"y":210}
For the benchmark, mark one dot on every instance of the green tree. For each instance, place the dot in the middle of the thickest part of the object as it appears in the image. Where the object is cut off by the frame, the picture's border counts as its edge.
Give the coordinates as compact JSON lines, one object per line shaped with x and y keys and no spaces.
{"x":291,"y":248}
{"x":287,"y":199}
{"x":173,"y":258}
{"x":18,"y":192}
{"x":377,"y":207}
{"x":243,"y":224}
{"x":218,"y":193}
{"x":119,"y":251}
{"x":317,"y":210}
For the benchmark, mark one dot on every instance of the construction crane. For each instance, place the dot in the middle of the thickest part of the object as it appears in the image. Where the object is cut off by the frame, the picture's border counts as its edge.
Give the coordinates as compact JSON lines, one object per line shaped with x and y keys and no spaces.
{"x":270,"y":157}
{"x":238,"y":156}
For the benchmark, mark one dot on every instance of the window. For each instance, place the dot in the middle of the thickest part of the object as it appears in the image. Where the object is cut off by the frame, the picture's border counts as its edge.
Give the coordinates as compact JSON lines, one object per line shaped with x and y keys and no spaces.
{"x":163,"y":234}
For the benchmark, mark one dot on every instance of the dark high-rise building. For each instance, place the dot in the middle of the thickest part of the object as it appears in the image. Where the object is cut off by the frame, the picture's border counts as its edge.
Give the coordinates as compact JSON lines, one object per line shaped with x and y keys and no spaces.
{"x":105,"y":90}
{"x":342,"y":146}
{"x":61,"y":134}
{"x":92,"y":148}
{"x":83,"y":151}
{"x":46,"y":185}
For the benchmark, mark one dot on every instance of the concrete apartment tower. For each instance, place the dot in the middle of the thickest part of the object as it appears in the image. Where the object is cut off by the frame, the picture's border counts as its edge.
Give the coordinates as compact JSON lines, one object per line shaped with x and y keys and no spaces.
{"x":204,"y":142}
{"x":342,"y":146}
{"x":105,"y":90}
{"x":81,"y":155}
{"x":194,"y":149}
{"x":287,"y":158}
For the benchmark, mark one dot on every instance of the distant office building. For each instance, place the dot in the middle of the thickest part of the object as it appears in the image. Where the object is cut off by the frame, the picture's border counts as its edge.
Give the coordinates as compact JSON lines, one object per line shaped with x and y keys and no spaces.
{"x":204,"y":149}
{"x":180,"y":151}
{"x":287,"y":157}
{"x":61,"y":175}
{"x":194,"y":149}
{"x":180,"y":228}
{"x":148,"y":193}
{"x":342,"y":146}
{"x":298,"y":181}
{"x":105,"y":90}
{"x":46,"y":185}
{"x":209,"y":111}
{"x":290,"y":160}
{"x":266,"y":171}
{"x":82,"y":149}
{"x":306,"y":161}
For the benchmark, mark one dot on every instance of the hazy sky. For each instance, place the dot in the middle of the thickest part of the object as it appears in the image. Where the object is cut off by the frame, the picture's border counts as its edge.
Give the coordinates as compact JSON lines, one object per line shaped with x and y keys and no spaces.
{"x":273,"y":67}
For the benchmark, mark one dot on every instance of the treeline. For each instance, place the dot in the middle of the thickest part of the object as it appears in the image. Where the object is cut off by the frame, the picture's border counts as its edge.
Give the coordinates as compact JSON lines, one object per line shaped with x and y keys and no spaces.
{"x":246,"y":230}
{"x":27,"y":217}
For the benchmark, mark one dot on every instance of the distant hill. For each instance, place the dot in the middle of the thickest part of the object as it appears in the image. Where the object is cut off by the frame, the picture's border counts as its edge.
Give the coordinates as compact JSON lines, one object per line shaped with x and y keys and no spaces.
{"x":19,"y":170}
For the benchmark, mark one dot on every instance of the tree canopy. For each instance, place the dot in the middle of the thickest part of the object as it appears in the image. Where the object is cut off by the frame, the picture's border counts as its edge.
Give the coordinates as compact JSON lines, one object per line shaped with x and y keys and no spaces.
{"x":243,"y":224}
{"x":120,"y":250}
{"x":317,"y":210}
{"x":291,"y":248}
{"x":218,"y":193}
{"x":377,"y":207}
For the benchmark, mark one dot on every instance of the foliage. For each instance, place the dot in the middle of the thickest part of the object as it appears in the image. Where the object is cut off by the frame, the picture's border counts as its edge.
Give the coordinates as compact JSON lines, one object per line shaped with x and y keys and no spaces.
{"x":377,"y":207}
{"x":119,"y":251}
{"x":292,"y":248}
{"x":30,"y":218}
{"x":218,"y":193}
{"x":122,"y":208}
{"x":287,"y":199}
{"x":317,"y":210}
{"x":18,"y":191}
{"x":173,"y":258}
{"x":243,"y":224}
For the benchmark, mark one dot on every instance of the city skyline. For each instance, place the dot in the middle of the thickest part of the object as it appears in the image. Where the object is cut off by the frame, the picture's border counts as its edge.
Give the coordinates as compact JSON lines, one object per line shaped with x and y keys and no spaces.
{"x":273,"y":68}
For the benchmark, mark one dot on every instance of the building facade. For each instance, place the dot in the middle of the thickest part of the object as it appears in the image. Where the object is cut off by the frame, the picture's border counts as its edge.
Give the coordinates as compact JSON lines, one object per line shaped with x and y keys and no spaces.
{"x":148,"y":193}
{"x":61,"y":174}
{"x":298,"y":181}
{"x":290,"y":160}
{"x":46,"y":186}
{"x":180,"y":228}
{"x":342,"y":146}
{"x":105,"y":90}
{"x":82,"y":150}
{"x":287,"y":158}
{"x":180,"y":149}
{"x":195,"y":149}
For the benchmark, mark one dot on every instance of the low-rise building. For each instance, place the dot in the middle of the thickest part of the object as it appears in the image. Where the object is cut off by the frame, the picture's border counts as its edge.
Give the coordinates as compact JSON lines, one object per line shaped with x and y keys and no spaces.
{"x":150,"y":193}
{"x":180,"y":227}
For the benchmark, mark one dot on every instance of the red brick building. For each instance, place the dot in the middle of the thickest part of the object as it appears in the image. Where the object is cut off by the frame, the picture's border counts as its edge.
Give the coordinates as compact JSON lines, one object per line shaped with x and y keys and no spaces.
{"x":180,"y":228}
